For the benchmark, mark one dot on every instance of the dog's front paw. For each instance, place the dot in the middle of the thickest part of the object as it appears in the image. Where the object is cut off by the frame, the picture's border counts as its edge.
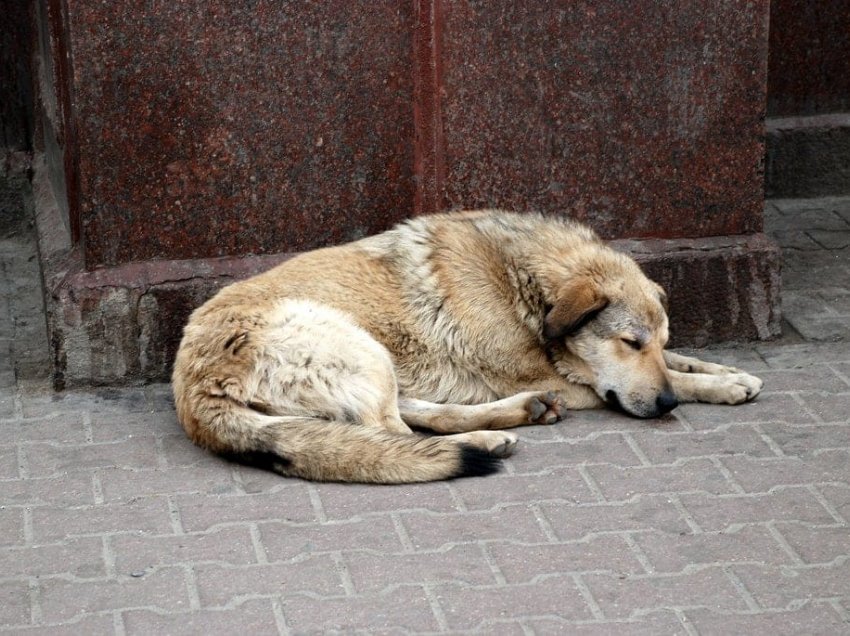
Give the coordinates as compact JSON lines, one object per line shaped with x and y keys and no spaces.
{"x":545,"y":408}
{"x":738,"y":388}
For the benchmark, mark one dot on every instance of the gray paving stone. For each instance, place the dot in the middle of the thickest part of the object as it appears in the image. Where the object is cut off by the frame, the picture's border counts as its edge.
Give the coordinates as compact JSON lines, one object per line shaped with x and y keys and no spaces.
{"x":618,"y":484}
{"x":344,"y":501}
{"x":512,"y":523}
{"x":48,"y":459}
{"x":68,"y":489}
{"x":522,"y":563}
{"x":218,"y":585}
{"x":776,"y":407}
{"x":164,"y":590}
{"x":55,"y":522}
{"x":670,"y":553}
{"x":229,"y":545}
{"x":787,"y":504}
{"x":94,"y":625}
{"x":564,"y":484}
{"x":376,"y":534}
{"x":778,"y":588}
{"x":82,"y":558}
{"x":251,"y":617}
{"x":9,"y":462}
{"x":470,"y":607}
{"x":644,"y":512}
{"x":58,"y":429}
{"x":605,"y":447}
{"x":406,"y":608}
{"x":803,"y":440}
{"x":624,"y":597}
{"x":763,"y":475}
{"x":122,"y":484}
{"x":202,"y":512}
{"x":651,"y":624}
{"x":838,"y":497}
{"x":666,"y":448}
{"x":15,"y":608}
{"x":812,"y":619}
{"x":11,"y":526}
{"x":817,"y":544}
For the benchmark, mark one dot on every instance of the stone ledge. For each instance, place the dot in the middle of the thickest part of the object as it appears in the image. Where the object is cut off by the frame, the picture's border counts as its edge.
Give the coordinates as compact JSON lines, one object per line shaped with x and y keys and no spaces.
{"x":808,"y":156}
{"x":123,"y":325}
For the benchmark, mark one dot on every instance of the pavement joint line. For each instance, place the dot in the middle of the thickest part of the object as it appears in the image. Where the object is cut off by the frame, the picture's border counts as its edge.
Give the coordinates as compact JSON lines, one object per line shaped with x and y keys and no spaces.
{"x":742,"y":590}
{"x":280,"y":618}
{"x":34,"y":593}
{"x":543,"y":523}
{"x":727,"y":475}
{"x":795,"y":395}
{"x":526,"y":630}
{"x":686,"y":516}
{"x":316,"y":503}
{"x":457,"y":500}
{"x":494,"y":568}
{"x":840,"y":610}
{"x":588,"y":597}
{"x":591,"y":483}
{"x":826,"y":505}
{"x":192,"y":587}
{"x":436,"y":608}
{"x":174,"y":516}
{"x":843,"y":377}
{"x":637,"y":450}
{"x":342,"y":572}
{"x":23,"y":464}
{"x":96,"y":486}
{"x":783,"y":543}
{"x":686,"y":623}
{"x":257,"y":542}
{"x":639,"y":554}
{"x":108,"y":556}
{"x":29,"y":530}
{"x":161,"y":460}
{"x":401,"y":531}
{"x":118,"y":623}
{"x":775,"y":448}
{"x":684,"y":421}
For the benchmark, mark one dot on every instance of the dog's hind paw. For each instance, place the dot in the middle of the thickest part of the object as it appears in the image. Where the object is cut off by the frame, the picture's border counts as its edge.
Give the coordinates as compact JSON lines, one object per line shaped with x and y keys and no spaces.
{"x":545,"y":408}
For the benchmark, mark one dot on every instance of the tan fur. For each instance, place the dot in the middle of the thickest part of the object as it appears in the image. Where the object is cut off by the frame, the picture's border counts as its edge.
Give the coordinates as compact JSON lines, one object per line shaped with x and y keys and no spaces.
{"x":463,"y":324}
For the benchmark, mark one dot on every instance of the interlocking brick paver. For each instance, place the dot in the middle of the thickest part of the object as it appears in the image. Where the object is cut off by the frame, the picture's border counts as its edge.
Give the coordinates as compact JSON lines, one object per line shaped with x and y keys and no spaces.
{"x":511,"y":523}
{"x":652,"y":624}
{"x":405,"y":608}
{"x":522,"y":563}
{"x":201,"y":512}
{"x":63,"y":599}
{"x":644,"y":512}
{"x":775,"y":407}
{"x":284,"y":541}
{"x":665,"y":448}
{"x":783,"y":504}
{"x":82,"y":558}
{"x":713,"y":519}
{"x":95,"y":625}
{"x":47,"y":460}
{"x":777,"y":588}
{"x":315,"y":575}
{"x":470,"y":607}
{"x":251,"y":617}
{"x":123,"y":484}
{"x":565,"y":484}
{"x":622,"y":597}
{"x":816,"y":544}
{"x":676,"y":552}
{"x":757,"y":475}
{"x":618,"y":483}
{"x":135,"y":552}
{"x":812,"y":620}
{"x":55,"y":522}
{"x":464,"y":563}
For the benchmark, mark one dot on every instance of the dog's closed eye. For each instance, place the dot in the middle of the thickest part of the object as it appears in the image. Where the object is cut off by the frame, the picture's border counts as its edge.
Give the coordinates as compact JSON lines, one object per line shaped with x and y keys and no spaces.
{"x":633,"y":343}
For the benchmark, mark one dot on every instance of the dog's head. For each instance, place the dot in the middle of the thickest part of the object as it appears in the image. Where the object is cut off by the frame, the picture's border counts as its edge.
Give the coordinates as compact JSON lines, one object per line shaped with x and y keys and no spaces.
{"x":610,"y":323}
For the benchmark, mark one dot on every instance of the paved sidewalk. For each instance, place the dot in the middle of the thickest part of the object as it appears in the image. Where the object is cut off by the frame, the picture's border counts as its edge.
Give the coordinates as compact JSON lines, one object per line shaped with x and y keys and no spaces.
{"x":714,"y":520}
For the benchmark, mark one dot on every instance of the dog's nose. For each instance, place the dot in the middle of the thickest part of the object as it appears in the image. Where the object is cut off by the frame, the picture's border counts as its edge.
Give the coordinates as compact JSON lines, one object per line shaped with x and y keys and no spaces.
{"x":666,"y":402}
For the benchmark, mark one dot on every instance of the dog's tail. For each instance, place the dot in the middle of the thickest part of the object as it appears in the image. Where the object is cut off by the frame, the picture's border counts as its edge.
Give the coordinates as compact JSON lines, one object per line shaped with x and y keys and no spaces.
{"x":323,"y":450}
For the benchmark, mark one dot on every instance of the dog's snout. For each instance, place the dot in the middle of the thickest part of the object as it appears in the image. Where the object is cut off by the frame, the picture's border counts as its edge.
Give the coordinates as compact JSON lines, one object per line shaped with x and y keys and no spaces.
{"x":666,"y":402}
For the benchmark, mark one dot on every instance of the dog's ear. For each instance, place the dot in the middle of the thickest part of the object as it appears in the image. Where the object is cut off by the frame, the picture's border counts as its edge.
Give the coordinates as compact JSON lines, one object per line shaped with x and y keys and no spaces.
{"x":577,"y":303}
{"x":662,"y":296}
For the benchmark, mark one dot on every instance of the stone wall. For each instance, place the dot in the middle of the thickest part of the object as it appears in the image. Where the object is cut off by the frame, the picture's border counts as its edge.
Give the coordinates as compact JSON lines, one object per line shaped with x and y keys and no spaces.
{"x":191,"y":144}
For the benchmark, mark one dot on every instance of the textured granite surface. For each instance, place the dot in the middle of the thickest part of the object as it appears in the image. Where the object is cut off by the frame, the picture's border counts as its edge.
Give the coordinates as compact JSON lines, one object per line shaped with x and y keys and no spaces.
{"x":809,"y":52}
{"x":643,"y":118}
{"x":209,"y":129}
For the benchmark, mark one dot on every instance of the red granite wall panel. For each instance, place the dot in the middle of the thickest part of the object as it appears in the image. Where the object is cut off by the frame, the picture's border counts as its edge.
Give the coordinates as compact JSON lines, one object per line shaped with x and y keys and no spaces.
{"x":643,"y":118}
{"x":239,"y":126}
{"x":809,"y":57}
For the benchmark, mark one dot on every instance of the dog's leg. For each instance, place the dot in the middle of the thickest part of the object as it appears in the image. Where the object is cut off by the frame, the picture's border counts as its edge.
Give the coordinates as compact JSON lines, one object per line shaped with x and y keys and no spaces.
{"x":699,"y":381}
{"x":530,"y":407}
{"x":729,"y":388}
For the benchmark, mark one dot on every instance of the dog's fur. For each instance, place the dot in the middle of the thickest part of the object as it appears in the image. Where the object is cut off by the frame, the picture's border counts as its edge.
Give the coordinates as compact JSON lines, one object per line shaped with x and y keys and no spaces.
{"x":463,"y":324}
